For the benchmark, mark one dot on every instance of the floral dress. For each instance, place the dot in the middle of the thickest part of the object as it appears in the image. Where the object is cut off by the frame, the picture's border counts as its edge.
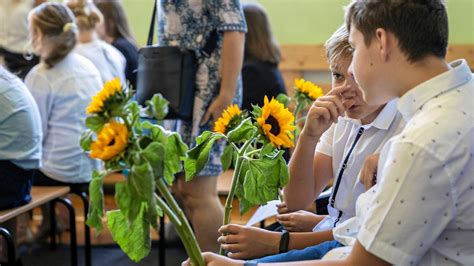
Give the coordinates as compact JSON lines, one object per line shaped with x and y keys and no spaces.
{"x":188,"y":24}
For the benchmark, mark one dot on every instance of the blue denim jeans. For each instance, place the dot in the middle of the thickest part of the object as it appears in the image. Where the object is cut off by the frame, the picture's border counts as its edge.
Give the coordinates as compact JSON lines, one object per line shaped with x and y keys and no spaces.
{"x":309,"y":253}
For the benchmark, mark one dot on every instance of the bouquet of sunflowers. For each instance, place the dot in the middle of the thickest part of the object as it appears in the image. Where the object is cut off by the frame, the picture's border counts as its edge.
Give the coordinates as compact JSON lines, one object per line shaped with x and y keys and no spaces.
{"x":117,"y":136}
{"x":253,"y":148}
{"x":306,"y":92}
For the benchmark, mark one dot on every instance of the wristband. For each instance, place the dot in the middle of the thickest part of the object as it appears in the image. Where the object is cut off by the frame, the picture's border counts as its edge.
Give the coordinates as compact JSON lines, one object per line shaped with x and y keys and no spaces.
{"x":284,"y":241}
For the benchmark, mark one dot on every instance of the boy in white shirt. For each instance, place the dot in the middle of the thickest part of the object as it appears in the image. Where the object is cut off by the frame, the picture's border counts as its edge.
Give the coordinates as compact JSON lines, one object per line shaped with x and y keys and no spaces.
{"x":422,"y":210}
{"x":325,"y":150}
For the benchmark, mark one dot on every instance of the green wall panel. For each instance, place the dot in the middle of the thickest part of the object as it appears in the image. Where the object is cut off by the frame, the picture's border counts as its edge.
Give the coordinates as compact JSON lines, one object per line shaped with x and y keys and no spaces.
{"x":310,"y":21}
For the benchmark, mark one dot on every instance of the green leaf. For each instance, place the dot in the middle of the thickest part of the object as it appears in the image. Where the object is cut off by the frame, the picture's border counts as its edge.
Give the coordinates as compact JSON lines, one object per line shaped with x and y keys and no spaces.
{"x":133,"y":238}
{"x":154,"y":153}
{"x":257,"y":111}
{"x":128,"y":203}
{"x":95,"y":123}
{"x":156,"y":132}
{"x":267,"y":148}
{"x":283,"y":98}
{"x":96,"y":202}
{"x":226,"y":158}
{"x":157,"y":107}
{"x":86,"y":140}
{"x":243,"y":131}
{"x":133,"y":110}
{"x":284,"y":175}
{"x":199,"y":155}
{"x":174,"y":150}
{"x":262,"y":180}
{"x":142,"y":185}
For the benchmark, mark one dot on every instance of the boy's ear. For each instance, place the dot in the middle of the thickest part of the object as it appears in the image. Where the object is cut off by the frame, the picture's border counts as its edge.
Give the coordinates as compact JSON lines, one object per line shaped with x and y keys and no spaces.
{"x":384,"y":42}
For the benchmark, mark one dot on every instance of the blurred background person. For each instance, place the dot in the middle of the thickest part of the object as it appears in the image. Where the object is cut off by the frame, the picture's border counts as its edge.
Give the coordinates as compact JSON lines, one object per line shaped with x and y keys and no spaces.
{"x":62,"y":85}
{"x":260,"y":74}
{"x":15,"y":50}
{"x":104,"y":56}
{"x":114,"y":29}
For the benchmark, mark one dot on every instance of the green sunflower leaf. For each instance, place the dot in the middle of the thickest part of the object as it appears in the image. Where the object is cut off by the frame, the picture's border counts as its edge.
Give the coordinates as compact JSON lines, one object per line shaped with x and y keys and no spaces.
{"x":96,"y":200}
{"x":284,"y":99}
{"x":226,"y":158}
{"x":198,"y":156}
{"x":95,"y":123}
{"x":174,"y":150}
{"x":133,"y":238}
{"x":86,"y":140}
{"x":157,"y":107}
{"x":243,"y":131}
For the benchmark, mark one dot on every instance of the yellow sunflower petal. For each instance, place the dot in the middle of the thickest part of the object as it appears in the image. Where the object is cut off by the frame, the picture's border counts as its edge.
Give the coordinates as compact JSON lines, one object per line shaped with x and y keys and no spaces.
{"x":111,"y":140}
{"x":222,"y":124}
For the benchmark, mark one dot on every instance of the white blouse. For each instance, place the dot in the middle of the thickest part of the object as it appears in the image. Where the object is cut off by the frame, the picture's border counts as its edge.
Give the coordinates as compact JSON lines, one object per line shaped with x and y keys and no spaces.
{"x":106,"y":58}
{"x":62,"y":94}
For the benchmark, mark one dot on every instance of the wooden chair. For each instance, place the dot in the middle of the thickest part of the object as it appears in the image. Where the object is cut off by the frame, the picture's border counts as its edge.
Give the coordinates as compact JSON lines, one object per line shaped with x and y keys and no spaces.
{"x":40,"y":196}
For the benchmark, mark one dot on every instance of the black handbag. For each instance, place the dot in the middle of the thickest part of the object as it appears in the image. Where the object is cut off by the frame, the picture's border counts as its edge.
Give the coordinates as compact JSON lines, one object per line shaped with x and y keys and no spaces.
{"x":170,"y":71}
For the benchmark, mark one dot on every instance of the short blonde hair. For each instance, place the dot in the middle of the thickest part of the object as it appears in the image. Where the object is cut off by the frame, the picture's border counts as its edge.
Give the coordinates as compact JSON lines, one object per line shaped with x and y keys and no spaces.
{"x":86,"y":13}
{"x":337,"y":46}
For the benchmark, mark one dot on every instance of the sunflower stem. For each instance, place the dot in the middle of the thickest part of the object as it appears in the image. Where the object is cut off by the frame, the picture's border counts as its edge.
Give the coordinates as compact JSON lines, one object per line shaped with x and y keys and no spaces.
{"x":184,"y":229}
{"x":235,"y":181}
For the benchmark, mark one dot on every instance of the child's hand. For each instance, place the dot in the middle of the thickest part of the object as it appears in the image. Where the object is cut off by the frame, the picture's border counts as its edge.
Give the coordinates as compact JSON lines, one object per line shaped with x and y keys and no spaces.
{"x":325,"y":111}
{"x":212,"y":259}
{"x":300,"y":221}
{"x":282,"y":208}
{"x":368,"y":173}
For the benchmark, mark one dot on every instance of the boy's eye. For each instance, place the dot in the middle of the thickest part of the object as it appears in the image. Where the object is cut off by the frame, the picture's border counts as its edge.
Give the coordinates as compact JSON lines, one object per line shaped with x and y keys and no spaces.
{"x":336,"y":76}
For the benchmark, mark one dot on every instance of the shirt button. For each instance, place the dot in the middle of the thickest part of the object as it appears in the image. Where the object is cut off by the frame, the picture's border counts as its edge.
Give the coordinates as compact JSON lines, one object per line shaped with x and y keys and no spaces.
{"x":199,"y":38}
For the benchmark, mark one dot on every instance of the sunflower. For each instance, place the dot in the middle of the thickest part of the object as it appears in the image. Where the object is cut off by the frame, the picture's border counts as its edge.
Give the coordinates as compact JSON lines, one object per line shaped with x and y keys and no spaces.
{"x":277,"y":123}
{"x":111,"y":140}
{"x":229,"y":119}
{"x":308,"y":88}
{"x":111,"y":88}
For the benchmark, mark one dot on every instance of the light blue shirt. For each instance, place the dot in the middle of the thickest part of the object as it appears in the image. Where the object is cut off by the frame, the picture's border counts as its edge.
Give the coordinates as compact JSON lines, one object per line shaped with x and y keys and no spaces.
{"x":62,"y":94}
{"x":20,"y":123}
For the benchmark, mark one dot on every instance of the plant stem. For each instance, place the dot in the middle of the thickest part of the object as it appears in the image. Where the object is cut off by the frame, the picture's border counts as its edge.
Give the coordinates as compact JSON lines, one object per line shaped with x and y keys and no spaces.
{"x":187,"y":234}
{"x":235,"y":181}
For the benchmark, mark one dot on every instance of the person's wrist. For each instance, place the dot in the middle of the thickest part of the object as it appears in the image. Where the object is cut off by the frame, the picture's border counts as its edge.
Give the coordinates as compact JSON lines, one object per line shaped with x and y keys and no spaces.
{"x":274,"y":246}
{"x":284,"y":242}
{"x":308,"y":136}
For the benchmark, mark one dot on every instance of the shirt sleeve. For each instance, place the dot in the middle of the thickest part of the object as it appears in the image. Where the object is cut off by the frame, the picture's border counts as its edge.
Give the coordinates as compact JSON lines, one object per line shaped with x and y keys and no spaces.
{"x":325,"y":143}
{"x":41,"y":91}
{"x":396,"y":228}
{"x":228,"y":15}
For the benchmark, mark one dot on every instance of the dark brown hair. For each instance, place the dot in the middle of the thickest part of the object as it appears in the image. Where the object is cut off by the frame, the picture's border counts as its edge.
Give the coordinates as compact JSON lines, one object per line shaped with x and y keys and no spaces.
{"x":421,"y":26}
{"x":50,"y":19}
{"x":86,"y":13}
{"x":337,"y":46}
{"x":259,"y":41}
{"x":115,"y":19}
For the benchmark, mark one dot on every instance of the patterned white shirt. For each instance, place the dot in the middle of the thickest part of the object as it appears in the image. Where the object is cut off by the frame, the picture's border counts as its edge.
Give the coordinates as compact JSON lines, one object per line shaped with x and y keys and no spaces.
{"x":423,"y":209}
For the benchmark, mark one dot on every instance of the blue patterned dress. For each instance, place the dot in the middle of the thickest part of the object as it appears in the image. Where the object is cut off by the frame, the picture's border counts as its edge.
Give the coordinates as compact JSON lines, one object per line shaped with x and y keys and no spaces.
{"x":187,"y":24}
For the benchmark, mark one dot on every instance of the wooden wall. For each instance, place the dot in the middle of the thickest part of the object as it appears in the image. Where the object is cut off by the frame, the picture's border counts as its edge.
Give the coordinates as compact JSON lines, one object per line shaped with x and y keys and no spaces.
{"x":297,"y":59}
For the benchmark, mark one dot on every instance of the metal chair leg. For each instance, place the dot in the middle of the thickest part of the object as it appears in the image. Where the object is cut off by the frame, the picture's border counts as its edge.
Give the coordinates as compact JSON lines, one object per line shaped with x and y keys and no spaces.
{"x":87,"y":230}
{"x":10,"y":245}
{"x":72,"y":227}
{"x":162,"y":243}
{"x":52,"y":221}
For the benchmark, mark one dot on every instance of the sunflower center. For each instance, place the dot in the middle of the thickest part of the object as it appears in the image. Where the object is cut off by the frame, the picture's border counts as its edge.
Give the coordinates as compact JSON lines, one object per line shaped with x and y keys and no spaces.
{"x":112,"y":142}
{"x":275,"y":130}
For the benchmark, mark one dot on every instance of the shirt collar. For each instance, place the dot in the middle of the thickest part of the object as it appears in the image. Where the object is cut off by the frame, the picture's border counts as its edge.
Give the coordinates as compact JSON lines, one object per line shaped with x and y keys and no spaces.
{"x":458,"y":75}
{"x":383,"y":120}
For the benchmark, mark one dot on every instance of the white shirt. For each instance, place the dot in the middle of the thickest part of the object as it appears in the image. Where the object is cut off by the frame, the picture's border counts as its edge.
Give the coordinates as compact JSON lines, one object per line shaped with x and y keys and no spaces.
{"x":423,"y":210}
{"x":14,"y":25}
{"x":106,"y":58}
{"x":338,"y":140}
{"x":62,"y":94}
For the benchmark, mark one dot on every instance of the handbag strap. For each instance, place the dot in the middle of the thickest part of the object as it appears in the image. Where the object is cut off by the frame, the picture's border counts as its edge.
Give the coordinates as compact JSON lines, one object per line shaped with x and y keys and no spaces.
{"x":206,"y":51}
